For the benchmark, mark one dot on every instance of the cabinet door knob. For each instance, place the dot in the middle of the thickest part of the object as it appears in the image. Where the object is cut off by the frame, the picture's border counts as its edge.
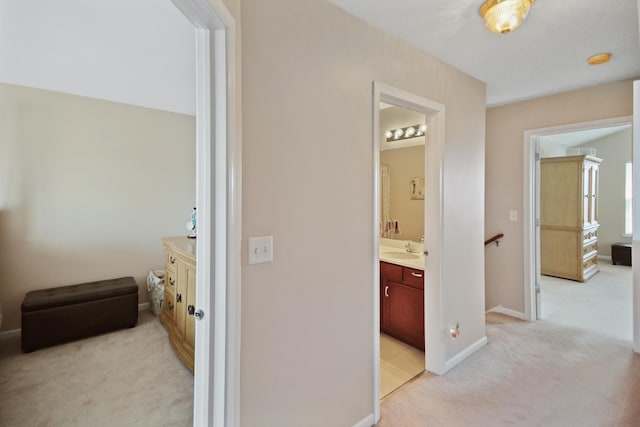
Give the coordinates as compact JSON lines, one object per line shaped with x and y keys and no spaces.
{"x":414,"y":274}
{"x":191,"y":309}
{"x":386,"y":291}
{"x":178,"y":297}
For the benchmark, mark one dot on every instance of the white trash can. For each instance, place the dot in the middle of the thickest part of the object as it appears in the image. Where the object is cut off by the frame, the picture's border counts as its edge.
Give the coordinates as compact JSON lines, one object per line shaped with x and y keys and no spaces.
{"x":155,"y":286}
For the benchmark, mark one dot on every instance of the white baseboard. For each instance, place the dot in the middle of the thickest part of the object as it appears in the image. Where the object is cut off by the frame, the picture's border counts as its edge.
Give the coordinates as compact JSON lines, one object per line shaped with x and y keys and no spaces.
{"x":605,"y":257}
{"x":9,"y":334}
{"x":367,"y":421}
{"x":508,"y":312}
{"x":449,"y":364}
{"x":16,"y":332}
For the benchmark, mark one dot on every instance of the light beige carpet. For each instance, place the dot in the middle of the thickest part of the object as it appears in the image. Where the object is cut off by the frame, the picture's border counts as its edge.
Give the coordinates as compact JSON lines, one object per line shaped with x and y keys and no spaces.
{"x":555,"y":372}
{"x":602,"y":304}
{"x":126,"y":378}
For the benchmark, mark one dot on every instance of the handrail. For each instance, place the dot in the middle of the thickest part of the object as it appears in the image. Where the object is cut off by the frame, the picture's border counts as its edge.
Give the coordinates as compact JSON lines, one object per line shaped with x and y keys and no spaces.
{"x":495,"y":238}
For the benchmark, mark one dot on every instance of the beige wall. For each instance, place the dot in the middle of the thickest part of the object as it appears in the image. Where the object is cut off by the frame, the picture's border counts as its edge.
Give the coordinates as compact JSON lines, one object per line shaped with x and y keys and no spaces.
{"x":307,"y":317}
{"x":504,"y":173}
{"x":405,"y":163}
{"x":615,"y":151}
{"x":87,"y":189}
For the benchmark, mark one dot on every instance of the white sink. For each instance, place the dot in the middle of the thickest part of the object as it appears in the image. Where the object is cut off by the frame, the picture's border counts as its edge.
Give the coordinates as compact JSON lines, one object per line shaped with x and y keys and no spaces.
{"x":400,"y":255}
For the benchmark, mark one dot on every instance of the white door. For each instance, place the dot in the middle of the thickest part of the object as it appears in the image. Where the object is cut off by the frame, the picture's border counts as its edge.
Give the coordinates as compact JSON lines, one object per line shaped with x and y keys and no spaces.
{"x":536,"y":233}
{"x":218,"y":195}
{"x":635,"y":250}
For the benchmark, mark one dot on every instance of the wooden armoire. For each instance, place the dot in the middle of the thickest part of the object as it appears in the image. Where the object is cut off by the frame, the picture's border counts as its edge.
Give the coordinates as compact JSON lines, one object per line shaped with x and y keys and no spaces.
{"x":569,"y":217}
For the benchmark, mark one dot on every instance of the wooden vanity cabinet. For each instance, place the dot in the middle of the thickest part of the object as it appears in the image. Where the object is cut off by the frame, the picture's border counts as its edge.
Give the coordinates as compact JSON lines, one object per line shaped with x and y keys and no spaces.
{"x":179,"y":293}
{"x":402,"y":303}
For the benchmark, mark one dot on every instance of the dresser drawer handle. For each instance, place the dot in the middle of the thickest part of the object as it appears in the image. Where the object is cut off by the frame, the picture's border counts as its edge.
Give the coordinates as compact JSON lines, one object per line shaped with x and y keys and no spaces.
{"x":414,"y":274}
{"x":172,"y":260}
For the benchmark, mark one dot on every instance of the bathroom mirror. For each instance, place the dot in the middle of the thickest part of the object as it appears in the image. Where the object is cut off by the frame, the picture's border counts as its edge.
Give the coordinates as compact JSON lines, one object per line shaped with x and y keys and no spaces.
{"x":402,"y":160}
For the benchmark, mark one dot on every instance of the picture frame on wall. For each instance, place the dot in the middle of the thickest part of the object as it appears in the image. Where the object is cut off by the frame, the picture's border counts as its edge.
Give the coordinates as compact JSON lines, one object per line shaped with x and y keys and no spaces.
{"x":416,"y":188}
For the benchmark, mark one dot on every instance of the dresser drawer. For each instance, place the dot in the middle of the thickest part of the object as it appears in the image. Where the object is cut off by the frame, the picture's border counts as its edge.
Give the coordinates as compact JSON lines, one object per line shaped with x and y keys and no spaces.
{"x":413,"y":277}
{"x":169,"y":303}
{"x":590,"y":235}
{"x":171,"y":280}
{"x":171,"y":261}
{"x":590,"y":263}
{"x":168,"y":315}
{"x":589,"y":249}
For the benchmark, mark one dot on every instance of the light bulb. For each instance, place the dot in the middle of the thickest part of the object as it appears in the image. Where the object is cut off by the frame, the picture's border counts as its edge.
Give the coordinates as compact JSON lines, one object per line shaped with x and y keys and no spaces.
{"x":409,"y":132}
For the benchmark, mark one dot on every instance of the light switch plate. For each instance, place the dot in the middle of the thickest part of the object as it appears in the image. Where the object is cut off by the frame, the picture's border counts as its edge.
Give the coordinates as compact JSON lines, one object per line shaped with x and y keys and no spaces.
{"x":513,"y":216}
{"x":260,"y":249}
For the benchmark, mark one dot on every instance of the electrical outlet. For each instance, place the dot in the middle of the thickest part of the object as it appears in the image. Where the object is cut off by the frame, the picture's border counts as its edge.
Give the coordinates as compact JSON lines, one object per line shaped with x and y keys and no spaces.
{"x":513,"y":216}
{"x":260,"y":249}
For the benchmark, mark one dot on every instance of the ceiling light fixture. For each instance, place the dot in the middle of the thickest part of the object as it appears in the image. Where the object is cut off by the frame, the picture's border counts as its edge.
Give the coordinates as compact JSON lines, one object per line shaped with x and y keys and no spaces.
{"x":600,"y":58}
{"x":504,"y":16}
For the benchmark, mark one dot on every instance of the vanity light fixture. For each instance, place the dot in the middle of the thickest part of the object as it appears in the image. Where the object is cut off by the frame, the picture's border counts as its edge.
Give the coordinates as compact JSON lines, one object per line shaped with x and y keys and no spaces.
{"x":405,"y":133}
{"x":504,"y":16}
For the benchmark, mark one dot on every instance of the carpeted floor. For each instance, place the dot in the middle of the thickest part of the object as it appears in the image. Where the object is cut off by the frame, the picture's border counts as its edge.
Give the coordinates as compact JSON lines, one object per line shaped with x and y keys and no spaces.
{"x":561,"y":371}
{"x":602,"y":304}
{"x":126,"y":378}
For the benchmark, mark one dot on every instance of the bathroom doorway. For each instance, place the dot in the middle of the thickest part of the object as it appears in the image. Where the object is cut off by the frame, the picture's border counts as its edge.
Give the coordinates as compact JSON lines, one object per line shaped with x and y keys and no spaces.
{"x":434,"y":347}
{"x":401,"y":248}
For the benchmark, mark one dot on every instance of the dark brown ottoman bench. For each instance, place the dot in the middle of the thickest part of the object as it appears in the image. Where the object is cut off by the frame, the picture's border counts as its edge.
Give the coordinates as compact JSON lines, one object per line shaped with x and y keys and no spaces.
{"x":56,"y":315}
{"x":621,"y":253}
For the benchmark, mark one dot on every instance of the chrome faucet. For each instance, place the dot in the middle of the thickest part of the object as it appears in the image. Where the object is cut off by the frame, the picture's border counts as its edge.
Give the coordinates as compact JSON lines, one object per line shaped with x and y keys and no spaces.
{"x":409,"y":247}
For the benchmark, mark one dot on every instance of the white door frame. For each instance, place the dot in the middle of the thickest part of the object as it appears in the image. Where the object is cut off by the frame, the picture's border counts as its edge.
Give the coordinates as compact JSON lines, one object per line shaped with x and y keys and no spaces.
{"x":218,"y":199}
{"x":635,"y":248}
{"x":531,"y":183}
{"x":433,"y":278}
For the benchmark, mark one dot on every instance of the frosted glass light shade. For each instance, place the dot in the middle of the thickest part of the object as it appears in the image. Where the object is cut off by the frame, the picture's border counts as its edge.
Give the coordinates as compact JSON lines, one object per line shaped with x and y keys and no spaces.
{"x":504,"y":16}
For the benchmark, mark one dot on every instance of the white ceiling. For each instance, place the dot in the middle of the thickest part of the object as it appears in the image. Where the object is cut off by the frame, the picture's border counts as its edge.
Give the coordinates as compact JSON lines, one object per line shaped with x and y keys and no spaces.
{"x":575,"y":138}
{"x":547,"y":54}
{"x":80,"y":47}
{"x":139,"y":52}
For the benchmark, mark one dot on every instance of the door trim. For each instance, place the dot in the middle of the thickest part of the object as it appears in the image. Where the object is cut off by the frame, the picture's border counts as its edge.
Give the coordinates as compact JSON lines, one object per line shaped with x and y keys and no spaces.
{"x":529,"y":204}
{"x":218,"y":198}
{"x":433,"y":293}
{"x":635,"y":248}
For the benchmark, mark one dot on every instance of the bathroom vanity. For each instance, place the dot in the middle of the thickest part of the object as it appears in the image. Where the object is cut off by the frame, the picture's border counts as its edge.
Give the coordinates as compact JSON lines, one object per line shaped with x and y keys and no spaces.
{"x":402,"y":295}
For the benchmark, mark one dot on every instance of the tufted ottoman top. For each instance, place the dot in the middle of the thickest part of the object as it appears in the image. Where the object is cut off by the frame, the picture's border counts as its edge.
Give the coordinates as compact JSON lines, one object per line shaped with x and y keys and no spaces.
{"x":73,"y":294}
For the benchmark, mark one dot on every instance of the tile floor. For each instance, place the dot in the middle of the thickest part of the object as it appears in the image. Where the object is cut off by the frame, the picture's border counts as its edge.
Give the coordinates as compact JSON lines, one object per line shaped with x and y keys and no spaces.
{"x":399,"y":363}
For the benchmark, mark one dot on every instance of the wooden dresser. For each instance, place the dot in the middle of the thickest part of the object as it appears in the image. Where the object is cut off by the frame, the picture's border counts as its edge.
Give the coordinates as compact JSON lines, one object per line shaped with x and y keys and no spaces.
{"x":569,"y":217}
{"x":179,"y":293}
